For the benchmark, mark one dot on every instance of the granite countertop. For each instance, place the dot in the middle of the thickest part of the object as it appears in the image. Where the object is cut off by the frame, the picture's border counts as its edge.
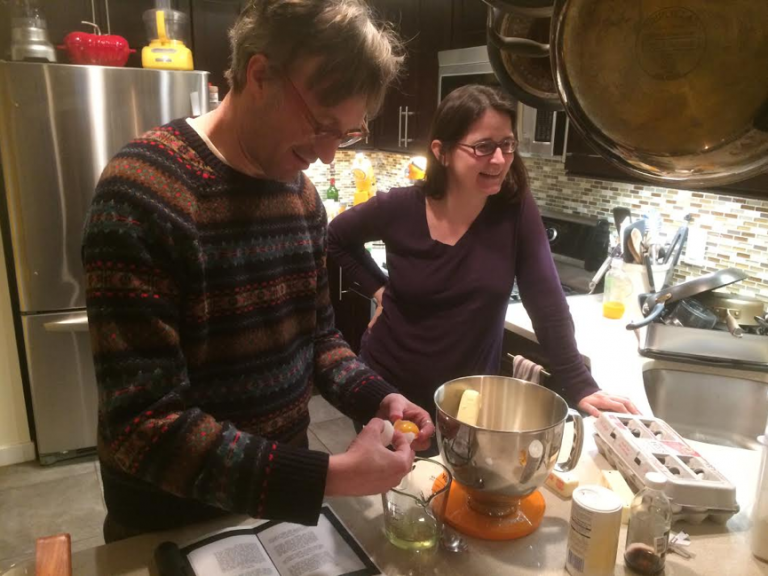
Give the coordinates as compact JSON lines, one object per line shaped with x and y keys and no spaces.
{"x":612,"y":353}
{"x":610,"y":349}
{"x":718,"y":549}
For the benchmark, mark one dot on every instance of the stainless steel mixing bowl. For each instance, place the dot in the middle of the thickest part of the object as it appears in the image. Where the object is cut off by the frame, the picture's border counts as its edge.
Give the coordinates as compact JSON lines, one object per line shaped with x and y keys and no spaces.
{"x":513,"y":447}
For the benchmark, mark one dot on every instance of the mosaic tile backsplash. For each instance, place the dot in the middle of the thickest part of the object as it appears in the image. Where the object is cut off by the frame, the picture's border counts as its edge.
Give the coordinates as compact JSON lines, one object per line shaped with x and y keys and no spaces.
{"x":736,"y":229}
{"x":391,"y":171}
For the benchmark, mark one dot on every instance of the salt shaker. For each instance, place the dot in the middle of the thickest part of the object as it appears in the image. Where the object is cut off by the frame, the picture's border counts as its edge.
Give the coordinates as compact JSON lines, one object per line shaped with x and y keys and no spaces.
{"x":760,"y":511}
{"x":650,"y":520}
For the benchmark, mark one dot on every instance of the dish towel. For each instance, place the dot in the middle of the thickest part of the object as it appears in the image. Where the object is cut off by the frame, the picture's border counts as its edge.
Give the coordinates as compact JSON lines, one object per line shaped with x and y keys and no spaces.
{"x":524,"y":369}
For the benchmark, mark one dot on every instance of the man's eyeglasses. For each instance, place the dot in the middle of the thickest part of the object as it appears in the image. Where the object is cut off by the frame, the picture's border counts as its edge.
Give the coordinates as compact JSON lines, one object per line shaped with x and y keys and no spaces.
{"x":488,"y":147}
{"x":344,"y":138}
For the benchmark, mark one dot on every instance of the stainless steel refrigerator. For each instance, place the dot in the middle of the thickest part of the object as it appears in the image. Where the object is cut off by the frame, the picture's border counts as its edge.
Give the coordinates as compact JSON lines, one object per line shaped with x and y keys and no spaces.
{"x":59,"y":126}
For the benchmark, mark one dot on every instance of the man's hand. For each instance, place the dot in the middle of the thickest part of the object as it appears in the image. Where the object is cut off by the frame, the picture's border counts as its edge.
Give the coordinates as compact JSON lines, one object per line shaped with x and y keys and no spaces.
{"x":598,"y":401}
{"x":398,"y":407}
{"x":368,"y":467}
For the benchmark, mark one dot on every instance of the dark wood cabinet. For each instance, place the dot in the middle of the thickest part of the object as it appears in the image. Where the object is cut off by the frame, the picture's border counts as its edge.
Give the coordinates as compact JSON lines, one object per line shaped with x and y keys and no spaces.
{"x":514,"y":345}
{"x":435,"y":16}
{"x":468,"y":23}
{"x":583,"y":160}
{"x":404,"y":122}
{"x":211,"y":21}
{"x":390,"y":127}
{"x":756,"y":187}
{"x":352,"y":309}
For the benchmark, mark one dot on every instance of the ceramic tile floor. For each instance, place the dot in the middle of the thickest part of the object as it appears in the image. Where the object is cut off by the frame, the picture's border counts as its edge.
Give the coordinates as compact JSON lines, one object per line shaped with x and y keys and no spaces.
{"x":42,"y":500}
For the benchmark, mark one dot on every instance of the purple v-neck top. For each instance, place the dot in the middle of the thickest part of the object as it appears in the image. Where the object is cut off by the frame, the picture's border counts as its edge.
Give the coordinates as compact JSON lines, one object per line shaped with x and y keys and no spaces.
{"x":444,"y":306}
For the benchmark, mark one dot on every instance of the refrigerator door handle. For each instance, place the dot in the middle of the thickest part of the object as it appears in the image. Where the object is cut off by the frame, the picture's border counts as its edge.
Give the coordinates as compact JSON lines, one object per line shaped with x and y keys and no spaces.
{"x":74,"y":323}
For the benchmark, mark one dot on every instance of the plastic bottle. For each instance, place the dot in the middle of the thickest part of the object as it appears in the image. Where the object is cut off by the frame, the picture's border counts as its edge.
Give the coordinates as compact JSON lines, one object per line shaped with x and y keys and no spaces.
{"x":213,"y":97}
{"x":618,"y":289}
{"x":332,"y":193}
{"x":362,"y":172}
{"x":650,"y":520}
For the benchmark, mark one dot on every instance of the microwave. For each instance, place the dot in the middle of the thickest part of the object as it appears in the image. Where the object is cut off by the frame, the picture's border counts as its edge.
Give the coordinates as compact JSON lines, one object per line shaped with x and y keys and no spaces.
{"x":541,"y":133}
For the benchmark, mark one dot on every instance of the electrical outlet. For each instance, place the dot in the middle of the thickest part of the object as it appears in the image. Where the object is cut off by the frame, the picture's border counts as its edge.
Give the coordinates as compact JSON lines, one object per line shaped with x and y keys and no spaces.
{"x":696,"y":247}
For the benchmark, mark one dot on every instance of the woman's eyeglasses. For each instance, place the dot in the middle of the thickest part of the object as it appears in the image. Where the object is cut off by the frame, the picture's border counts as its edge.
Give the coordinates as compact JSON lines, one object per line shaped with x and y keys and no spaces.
{"x":489,"y":147}
{"x":344,"y":138}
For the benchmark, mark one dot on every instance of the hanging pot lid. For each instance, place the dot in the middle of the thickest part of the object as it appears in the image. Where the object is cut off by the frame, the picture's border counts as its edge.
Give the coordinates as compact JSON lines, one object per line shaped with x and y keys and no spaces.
{"x":518,"y":50}
{"x":677,"y":95}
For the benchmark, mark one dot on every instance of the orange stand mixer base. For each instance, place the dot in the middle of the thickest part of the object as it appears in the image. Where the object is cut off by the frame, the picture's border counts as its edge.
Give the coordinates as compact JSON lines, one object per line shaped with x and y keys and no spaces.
{"x":460,"y":516}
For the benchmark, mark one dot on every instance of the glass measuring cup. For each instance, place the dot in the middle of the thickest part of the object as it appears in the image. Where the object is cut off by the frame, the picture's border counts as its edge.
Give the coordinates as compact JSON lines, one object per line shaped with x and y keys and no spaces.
{"x":413,"y":511}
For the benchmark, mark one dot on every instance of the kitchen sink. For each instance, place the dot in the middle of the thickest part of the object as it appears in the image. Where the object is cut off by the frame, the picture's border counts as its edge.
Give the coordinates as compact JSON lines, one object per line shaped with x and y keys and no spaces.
{"x":725,"y":410}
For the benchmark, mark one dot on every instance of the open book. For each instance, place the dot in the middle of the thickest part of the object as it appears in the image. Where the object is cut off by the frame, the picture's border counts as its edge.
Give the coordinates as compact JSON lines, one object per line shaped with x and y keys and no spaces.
{"x":271,"y":549}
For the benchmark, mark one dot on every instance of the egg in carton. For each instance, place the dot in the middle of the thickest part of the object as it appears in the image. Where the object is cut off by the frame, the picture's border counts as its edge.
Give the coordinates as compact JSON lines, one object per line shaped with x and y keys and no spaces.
{"x":637,"y":445}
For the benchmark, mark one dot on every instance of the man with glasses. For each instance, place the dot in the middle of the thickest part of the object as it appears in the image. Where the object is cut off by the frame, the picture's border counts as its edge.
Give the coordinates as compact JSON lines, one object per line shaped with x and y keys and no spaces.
{"x":207,"y":293}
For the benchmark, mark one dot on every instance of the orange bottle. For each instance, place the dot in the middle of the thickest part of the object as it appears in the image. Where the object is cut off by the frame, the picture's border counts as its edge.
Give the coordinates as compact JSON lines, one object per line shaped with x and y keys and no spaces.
{"x":618,"y":289}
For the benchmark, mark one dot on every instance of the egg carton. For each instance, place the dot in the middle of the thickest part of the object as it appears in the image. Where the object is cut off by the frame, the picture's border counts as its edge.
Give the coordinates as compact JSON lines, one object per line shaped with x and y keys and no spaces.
{"x":637,"y":445}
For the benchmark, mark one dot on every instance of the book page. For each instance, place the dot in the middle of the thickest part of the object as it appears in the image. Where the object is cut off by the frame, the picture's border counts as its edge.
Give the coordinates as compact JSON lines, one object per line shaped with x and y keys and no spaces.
{"x":239,"y":554}
{"x":272,"y":548}
{"x":310,"y":550}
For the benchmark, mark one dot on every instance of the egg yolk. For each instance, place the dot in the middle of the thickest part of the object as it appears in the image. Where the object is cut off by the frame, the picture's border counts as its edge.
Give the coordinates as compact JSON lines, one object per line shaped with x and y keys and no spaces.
{"x":405,"y":426}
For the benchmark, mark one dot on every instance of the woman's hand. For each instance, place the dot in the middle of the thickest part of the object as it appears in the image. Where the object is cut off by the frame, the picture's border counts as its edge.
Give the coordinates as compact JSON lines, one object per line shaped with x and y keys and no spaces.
{"x":398,"y":407}
{"x":379,"y":297}
{"x":598,"y":401}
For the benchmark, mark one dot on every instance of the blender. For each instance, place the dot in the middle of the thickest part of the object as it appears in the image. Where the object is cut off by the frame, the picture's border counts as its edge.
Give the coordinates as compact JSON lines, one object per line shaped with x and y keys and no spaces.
{"x":29,"y":34}
{"x":167,"y":30}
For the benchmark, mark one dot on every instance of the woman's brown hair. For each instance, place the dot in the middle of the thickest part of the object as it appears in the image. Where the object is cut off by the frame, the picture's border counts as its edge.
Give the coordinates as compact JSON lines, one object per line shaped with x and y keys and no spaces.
{"x":453,"y":120}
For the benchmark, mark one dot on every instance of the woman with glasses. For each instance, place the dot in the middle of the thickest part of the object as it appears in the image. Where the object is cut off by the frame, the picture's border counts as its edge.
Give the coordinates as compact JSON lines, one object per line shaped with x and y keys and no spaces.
{"x":455,"y":245}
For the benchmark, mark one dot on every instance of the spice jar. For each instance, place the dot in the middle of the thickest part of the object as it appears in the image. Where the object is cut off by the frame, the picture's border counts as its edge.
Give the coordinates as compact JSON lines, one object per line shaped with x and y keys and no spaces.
{"x":650,"y":520}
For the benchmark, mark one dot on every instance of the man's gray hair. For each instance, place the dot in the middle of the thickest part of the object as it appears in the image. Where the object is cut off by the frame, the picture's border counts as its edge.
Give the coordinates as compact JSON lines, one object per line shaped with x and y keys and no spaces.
{"x":356,"y":56}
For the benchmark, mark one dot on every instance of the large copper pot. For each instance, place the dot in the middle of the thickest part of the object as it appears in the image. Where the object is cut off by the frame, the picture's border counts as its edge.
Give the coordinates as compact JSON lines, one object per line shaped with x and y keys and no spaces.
{"x":674,"y":92}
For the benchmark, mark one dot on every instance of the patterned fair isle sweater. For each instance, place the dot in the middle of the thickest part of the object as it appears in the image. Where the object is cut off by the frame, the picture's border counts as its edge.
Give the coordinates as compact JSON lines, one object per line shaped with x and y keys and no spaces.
{"x":210,"y":321}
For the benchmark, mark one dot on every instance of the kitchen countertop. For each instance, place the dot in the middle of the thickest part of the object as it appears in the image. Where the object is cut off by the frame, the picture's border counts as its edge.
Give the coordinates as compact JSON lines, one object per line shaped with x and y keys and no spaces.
{"x":612,"y":353}
{"x":718,"y":549}
{"x":610,"y":349}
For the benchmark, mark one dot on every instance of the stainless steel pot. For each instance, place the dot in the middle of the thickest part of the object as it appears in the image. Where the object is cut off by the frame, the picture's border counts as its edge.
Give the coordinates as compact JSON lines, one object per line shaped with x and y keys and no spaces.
{"x":518,"y":50}
{"x":690,"y":313}
{"x":674,"y":94}
{"x":736,"y":312}
{"x":515,"y":445}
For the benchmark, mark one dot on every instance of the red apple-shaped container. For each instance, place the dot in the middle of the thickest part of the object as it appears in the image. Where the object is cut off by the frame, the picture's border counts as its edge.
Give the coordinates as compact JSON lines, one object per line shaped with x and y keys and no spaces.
{"x":100,"y":49}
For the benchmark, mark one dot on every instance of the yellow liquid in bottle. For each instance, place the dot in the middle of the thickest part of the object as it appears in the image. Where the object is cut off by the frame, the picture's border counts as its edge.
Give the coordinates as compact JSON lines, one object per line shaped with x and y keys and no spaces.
{"x":613,"y":310}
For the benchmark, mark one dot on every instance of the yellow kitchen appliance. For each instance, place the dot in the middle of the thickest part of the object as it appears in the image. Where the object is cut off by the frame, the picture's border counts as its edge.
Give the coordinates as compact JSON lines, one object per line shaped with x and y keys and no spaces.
{"x":168,"y":32}
{"x":365,"y":180}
